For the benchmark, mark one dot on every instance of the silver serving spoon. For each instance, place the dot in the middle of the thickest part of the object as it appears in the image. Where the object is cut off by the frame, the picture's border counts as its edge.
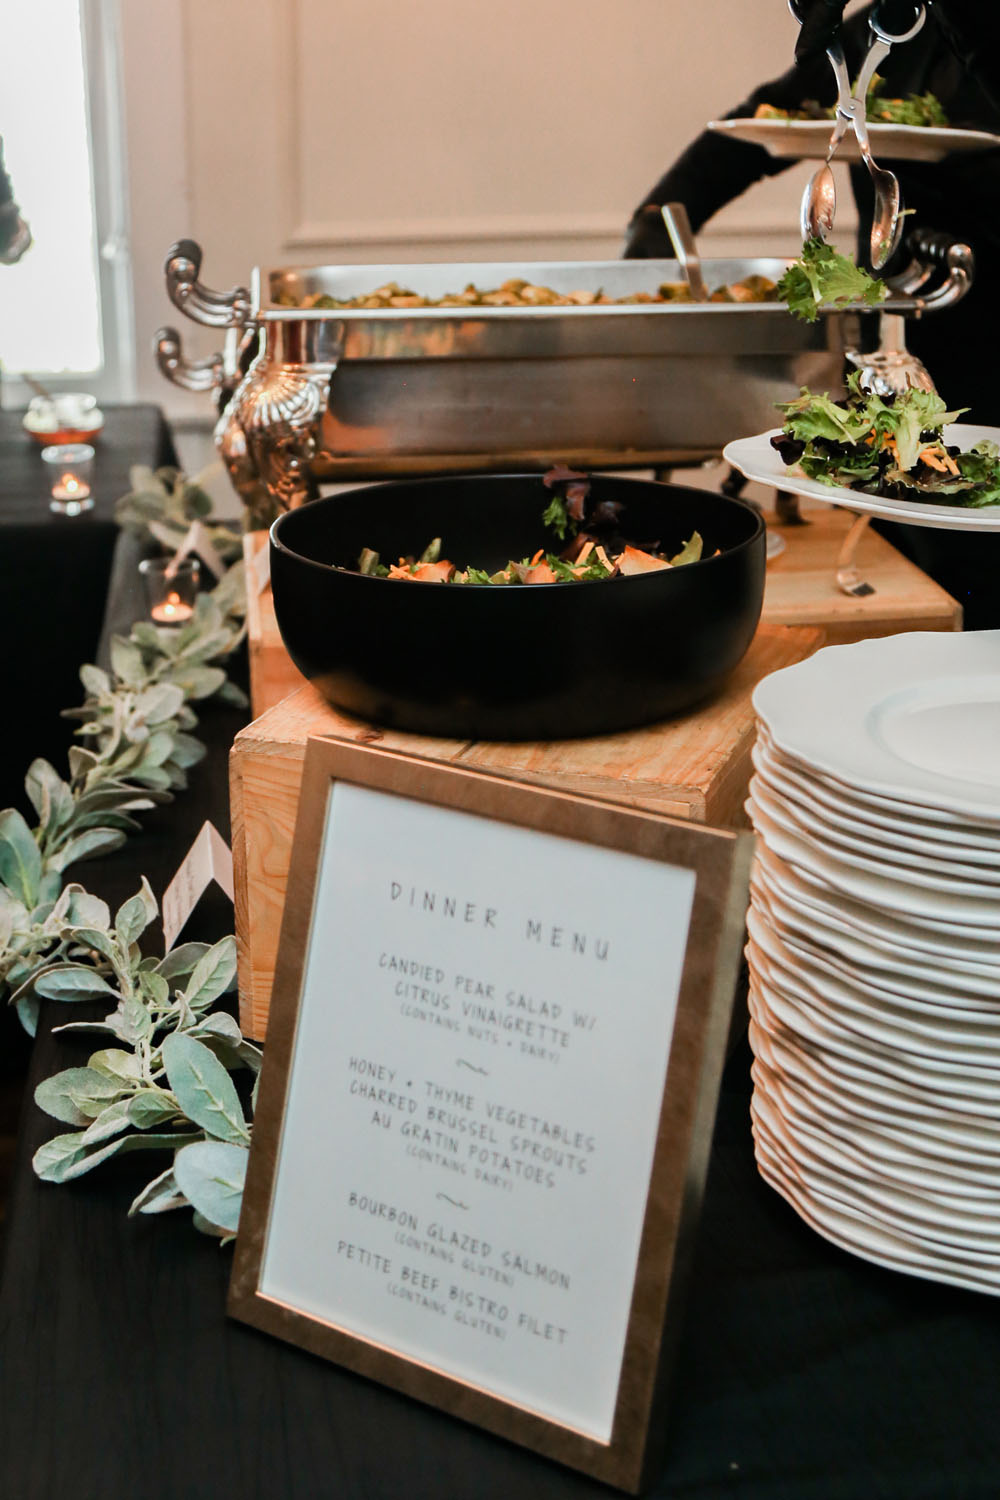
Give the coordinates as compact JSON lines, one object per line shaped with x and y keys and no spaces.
{"x":819,"y":204}
{"x":678,"y":226}
{"x":819,"y":201}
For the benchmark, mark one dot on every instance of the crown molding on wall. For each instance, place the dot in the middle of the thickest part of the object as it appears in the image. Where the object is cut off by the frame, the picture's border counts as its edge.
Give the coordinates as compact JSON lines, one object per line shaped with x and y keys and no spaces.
{"x":488,"y":229}
{"x":310,"y":235}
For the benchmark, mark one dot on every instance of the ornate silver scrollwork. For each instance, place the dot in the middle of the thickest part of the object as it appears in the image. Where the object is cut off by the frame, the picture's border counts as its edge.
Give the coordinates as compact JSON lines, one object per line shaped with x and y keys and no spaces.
{"x":960,"y":264}
{"x":215,"y":309}
{"x":268,"y":434}
{"x":190,"y":374}
{"x":888,"y":372}
{"x":933,"y":250}
{"x":231,"y":445}
{"x":891,"y":369}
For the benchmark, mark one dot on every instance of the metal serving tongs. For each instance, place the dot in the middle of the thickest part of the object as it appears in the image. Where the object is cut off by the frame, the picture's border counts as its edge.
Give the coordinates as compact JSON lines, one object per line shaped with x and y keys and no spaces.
{"x":820,"y":198}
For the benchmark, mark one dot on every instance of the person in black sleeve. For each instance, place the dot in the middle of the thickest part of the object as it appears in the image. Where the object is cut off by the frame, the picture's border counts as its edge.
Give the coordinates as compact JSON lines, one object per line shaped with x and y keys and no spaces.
{"x":956,"y":57}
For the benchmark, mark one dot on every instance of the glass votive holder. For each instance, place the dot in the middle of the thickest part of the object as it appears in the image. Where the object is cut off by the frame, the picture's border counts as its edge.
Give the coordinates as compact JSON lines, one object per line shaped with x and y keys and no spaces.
{"x":70,"y":470}
{"x":70,"y":417}
{"x":171,"y":588}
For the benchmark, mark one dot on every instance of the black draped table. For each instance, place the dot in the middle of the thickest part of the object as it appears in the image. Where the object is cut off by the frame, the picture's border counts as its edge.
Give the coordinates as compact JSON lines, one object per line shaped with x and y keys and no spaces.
{"x":802,"y":1373}
{"x":54,"y":573}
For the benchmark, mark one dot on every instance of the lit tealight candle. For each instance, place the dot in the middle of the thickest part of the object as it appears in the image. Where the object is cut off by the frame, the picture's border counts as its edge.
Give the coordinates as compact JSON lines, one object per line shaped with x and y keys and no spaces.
{"x":70,"y":470}
{"x":70,"y":488}
{"x":171,"y":589}
{"x":172,"y":610}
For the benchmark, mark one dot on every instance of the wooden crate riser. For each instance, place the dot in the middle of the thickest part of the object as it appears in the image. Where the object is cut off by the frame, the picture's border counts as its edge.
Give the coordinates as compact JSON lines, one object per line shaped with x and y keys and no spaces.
{"x":694,"y":767}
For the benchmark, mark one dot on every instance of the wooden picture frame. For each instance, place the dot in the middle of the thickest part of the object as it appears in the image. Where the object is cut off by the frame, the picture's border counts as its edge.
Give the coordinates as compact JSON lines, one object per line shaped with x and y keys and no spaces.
{"x":612,"y":1113}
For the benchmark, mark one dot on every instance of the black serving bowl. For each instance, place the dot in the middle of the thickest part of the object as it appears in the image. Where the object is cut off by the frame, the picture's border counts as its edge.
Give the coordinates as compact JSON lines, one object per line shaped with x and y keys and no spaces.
{"x":522,"y":661}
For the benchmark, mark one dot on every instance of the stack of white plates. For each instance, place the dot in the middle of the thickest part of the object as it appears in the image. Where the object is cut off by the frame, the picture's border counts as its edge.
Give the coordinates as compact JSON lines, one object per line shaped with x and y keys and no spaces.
{"x":874,"y":949}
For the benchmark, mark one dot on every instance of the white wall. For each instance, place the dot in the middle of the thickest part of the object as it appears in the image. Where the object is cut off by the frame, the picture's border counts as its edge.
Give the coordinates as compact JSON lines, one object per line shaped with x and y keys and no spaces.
{"x":304,"y":131}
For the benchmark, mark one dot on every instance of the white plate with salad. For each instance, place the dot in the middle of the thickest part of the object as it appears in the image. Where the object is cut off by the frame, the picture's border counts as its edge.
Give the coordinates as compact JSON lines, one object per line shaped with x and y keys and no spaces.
{"x":903,"y":457}
{"x":809,"y":140}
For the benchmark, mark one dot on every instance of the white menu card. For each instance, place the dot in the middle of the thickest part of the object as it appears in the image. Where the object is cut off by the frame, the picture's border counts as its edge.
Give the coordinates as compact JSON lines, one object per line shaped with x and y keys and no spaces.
{"x":474,"y":1095}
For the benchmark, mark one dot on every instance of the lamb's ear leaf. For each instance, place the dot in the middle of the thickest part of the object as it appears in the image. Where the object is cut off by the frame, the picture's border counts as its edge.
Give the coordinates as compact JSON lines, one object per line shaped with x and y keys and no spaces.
{"x":203,"y":1088}
{"x":20,"y":858}
{"x":211,"y":1175}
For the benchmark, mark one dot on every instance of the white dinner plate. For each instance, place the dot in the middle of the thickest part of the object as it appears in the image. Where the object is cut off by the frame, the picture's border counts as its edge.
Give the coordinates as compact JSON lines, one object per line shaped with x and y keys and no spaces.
{"x":935,"y":1252}
{"x":966,"y":1182}
{"x":801,"y":140}
{"x":931,"y":1009}
{"x":883,"y":1170}
{"x":940,"y":1133}
{"x":893,"y":972}
{"x":875,"y":1028}
{"x":966,"y":916}
{"x":947,"y":1224}
{"x":911,"y":868}
{"x":955,"y":1086}
{"x":857,"y":1233}
{"x":944,"y":823}
{"x":757,"y":460}
{"x":883,"y":926}
{"x":910,"y":1106}
{"x":912,"y":717}
{"x":953,"y":1237}
{"x":838,"y":808}
{"x":814,"y":881}
{"x":967,"y":1054}
{"x":848,"y":836}
{"x":976,"y":985}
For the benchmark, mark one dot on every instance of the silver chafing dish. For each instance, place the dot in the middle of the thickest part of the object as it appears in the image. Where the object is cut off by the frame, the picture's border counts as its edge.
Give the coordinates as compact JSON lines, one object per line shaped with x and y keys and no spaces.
{"x":308,"y":395}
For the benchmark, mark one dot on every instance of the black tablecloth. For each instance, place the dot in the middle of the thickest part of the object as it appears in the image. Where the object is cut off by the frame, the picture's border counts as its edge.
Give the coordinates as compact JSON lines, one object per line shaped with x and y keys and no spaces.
{"x":964,"y":563}
{"x":54,"y":574}
{"x":802,"y":1373}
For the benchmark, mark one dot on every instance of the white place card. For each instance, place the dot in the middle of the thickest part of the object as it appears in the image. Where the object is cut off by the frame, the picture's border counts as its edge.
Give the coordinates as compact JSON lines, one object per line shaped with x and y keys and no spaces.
{"x":209,"y":858}
{"x":196,"y":540}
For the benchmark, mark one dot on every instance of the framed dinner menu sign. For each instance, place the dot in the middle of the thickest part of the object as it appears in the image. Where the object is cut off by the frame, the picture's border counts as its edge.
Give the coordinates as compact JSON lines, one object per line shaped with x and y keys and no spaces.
{"x":490,"y":1078}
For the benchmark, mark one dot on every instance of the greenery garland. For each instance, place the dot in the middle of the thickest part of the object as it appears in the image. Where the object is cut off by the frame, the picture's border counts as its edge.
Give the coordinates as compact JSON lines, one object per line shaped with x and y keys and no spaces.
{"x":165,"y":1083}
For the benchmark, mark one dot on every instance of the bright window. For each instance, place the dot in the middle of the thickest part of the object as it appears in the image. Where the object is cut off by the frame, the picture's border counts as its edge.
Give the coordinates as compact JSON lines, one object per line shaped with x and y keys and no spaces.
{"x":50,"y":302}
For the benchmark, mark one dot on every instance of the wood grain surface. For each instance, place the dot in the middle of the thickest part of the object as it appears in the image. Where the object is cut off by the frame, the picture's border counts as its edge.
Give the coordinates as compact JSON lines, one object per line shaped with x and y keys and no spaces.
{"x":696,"y":766}
{"x":273,"y":675}
{"x":802,"y":587}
